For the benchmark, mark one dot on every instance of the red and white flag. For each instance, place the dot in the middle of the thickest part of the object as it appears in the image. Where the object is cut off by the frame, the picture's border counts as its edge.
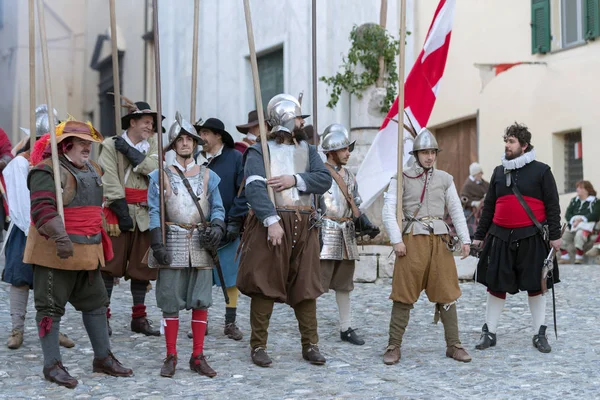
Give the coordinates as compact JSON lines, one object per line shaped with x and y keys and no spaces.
{"x":420,"y":90}
{"x":487,"y":72}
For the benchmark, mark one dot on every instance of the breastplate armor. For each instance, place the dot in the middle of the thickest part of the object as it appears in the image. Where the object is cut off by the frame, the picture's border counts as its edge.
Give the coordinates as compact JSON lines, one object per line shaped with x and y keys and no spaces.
{"x":182,"y":216}
{"x":289,"y":159}
{"x":81,"y":187}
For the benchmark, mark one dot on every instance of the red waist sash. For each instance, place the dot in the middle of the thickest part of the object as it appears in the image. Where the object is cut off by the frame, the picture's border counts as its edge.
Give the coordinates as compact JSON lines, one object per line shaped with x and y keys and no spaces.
{"x":87,"y":221}
{"x":132,"y":196}
{"x":511,"y":214}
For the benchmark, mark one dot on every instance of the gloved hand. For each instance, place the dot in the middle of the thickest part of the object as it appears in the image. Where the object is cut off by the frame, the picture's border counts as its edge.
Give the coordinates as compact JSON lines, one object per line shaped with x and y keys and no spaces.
{"x":134,"y":156}
{"x":212,"y":235}
{"x":363,"y":226}
{"x":159,"y":250}
{"x":120,"y":208}
{"x":234,"y":226}
{"x":55,"y":230}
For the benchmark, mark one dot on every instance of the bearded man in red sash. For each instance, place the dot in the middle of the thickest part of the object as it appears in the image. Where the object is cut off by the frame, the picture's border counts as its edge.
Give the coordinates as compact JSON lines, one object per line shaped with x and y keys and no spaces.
{"x":127,"y":160}
{"x":67,"y":256}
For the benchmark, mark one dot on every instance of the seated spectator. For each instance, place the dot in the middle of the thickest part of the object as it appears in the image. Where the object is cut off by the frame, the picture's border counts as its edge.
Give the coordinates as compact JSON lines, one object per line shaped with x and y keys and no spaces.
{"x":582,"y":215}
{"x":595,"y":250}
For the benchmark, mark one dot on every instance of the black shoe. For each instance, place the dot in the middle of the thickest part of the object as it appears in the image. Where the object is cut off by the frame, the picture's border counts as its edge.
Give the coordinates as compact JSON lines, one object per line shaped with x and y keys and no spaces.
{"x":143,"y":325}
{"x":351,"y":336}
{"x":540,"y":341}
{"x":312,"y":354}
{"x":260,"y":357}
{"x":487,"y":339}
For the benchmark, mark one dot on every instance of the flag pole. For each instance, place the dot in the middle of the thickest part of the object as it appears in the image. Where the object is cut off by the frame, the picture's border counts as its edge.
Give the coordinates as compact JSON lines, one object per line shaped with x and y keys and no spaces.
{"x":48,"y":90}
{"x":314,"y":73}
{"x":258,"y":97}
{"x":195,"y":61}
{"x":161,"y":178}
{"x":32,"y":127}
{"x":401,"y":57}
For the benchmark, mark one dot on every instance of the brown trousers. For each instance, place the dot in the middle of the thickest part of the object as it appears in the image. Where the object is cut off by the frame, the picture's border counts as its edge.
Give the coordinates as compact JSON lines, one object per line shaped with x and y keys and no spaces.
{"x":130,"y":248}
{"x":261,"y":309}
{"x":337,"y":275}
{"x":428,"y":265}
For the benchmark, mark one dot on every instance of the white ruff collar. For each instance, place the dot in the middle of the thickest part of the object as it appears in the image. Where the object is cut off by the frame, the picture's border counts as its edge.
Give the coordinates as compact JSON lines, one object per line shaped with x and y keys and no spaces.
{"x":180,"y":167}
{"x":518,"y":162}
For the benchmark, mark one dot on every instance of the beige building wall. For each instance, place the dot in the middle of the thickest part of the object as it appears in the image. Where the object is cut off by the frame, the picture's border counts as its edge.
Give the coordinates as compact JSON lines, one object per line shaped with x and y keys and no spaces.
{"x":550,"y":99}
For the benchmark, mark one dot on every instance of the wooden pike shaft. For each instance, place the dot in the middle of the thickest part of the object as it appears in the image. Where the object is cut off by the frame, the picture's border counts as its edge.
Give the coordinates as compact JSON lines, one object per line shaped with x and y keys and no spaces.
{"x":258,"y":97}
{"x":48,"y":90}
{"x":195,"y":61}
{"x":161,"y":178}
{"x":401,"y":57}
{"x":315,"y":95}
{"x":32,"y":105}
{"x":115,"y":66}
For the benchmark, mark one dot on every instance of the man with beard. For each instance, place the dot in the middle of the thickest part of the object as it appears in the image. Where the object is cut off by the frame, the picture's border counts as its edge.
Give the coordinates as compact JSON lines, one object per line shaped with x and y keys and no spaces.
{"x":185,"y":276}
{"x":342,"y":221}
{"x":221,"y":157}
{"x":424,"y":259}
{"x":280,"y":253}
{"x":517,"y":234}
{"x":16,"y":273}
{"x":67,"y":256}
{"x":127,"y":159}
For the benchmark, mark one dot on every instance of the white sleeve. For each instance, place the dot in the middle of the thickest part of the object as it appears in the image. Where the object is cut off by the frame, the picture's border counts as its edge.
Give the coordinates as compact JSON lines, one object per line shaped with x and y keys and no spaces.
{"x":456,"y":213}
{"x":390,"y":221}
{"x":17,"y":193}
{"x":300,"y":184}
{"x":271,"y":220}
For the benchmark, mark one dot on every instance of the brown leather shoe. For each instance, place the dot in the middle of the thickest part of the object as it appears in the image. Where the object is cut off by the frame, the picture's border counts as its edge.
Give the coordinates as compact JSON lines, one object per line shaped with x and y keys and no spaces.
{"x":65,"y":341}
{"x":312,"y":354}
{"x":260,"y":357}
{"x":168,"y":368}
{"x":58,"y":374}
{"x":198,"y":364}
{"x":233,"y":332}
{"x":391,"y":355}
{"x":110,"y":366}
{"x":458,"y":353}
{"x":143,"y":325}
{"x":15,"y":340}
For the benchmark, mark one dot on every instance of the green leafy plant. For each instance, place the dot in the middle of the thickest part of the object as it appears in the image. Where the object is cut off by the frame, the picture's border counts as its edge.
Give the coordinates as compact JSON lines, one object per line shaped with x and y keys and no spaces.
{"x":369,"y":43}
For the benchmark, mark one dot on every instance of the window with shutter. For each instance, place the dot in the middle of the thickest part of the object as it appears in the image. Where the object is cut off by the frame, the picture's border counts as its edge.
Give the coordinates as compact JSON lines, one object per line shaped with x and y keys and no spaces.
{"x":270,"y":73}
{"x":591,"y":19}
{"x":540,"y":26}
{"x":573,"y":160}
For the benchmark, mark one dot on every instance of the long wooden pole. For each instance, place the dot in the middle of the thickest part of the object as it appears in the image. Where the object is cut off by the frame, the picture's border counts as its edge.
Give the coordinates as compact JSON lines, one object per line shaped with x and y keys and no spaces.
{"x":115,"y":66}
{"x":401,"y":57}
{"x":314,"y":72}
{"x":48,"y":90}
{"x":258,"y":97}
{"x":382,"y":23}
{"x":195,"y":61}
{"x":161,"y":178}
{"x":32,"y":105}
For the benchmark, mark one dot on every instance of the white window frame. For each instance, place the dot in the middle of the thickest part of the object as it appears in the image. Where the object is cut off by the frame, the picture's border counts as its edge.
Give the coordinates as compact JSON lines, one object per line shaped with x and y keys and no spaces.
{"x":580,"y":38}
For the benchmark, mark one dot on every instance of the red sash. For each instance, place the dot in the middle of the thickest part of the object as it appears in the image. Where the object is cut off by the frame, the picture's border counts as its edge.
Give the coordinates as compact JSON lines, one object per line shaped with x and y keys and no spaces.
{"x":511,"y":214}
{"x":132,"y":196}
{"x":87,"y":221}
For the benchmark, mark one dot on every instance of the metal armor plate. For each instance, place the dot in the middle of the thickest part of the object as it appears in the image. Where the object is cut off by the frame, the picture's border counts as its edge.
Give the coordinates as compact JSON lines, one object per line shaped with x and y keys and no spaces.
{"x":339,"y":240}
{"x":184,"y":246}
{"x":289,"y":159}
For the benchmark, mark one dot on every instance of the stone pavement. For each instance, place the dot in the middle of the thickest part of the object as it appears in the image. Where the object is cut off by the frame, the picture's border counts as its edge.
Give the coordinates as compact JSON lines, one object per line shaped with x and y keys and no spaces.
{"x":513,"y":369}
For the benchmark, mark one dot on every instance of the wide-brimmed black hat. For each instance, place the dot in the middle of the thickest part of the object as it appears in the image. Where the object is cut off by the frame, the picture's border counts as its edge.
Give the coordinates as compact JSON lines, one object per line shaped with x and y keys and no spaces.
{"x":252,"y":121}
{"x":141,"y":108}
{"x":217,"y":126}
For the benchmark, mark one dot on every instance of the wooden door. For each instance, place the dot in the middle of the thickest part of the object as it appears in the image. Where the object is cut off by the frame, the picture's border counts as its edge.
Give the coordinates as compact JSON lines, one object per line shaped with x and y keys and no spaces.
{"x":458,"y":143}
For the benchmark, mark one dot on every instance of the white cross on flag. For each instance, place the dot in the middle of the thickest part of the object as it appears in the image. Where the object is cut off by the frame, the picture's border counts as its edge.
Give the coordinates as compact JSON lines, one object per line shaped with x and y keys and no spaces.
{"x":420,"y":88}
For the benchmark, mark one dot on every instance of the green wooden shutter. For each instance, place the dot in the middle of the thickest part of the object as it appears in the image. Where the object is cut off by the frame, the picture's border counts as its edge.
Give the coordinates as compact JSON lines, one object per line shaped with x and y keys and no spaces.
{"x":540,"y":26}
{"x":591,"y":19}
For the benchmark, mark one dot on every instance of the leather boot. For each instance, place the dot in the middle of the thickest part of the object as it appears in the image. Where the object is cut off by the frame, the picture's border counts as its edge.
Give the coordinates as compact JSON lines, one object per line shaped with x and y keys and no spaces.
{"x":540,"y":341}
{"x":65,"y":341}
{"x":391,"y":355}
{"x":351,"y":337}
{"x":15,"y":340}
{"x":110,"y":366}
{"x":58,"y":374}
{"x":312,"y":354}
{"x":198,"y":364}
{"x":142,"y":325}
{"x":487,"y":339}
{"x":458,"y":353}
{"x":168,"y":368}
{"x":233,"y":332}
{"x":260,"y":357}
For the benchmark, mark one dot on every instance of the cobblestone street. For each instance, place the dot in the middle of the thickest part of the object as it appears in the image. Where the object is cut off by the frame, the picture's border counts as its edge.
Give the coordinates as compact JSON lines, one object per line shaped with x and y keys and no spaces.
{"x":513,"y":369}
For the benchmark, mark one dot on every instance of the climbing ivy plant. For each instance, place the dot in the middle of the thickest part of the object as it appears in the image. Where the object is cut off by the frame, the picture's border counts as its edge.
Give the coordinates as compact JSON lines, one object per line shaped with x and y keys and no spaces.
{"x":368,"y":43}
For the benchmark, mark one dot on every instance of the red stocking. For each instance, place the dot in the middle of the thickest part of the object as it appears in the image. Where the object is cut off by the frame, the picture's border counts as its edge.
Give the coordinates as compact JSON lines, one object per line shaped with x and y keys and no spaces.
{"x":199,"y":318}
